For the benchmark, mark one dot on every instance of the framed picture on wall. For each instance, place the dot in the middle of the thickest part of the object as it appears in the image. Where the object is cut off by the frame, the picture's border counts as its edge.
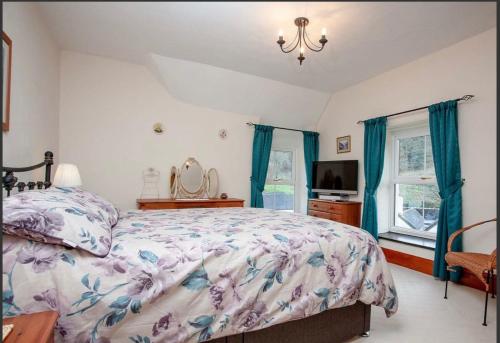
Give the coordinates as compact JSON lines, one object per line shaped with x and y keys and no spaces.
{"x":7,"y":66}
{"x":343,"y":144}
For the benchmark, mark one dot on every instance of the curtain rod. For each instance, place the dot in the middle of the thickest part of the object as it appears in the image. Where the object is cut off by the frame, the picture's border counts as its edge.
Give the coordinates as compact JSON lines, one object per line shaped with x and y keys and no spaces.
{"x":281,"y":128}
{"x":464,"y":98}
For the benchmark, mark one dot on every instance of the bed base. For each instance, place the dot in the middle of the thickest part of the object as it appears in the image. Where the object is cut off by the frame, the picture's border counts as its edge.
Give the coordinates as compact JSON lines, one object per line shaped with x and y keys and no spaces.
{"x":332,"y":326}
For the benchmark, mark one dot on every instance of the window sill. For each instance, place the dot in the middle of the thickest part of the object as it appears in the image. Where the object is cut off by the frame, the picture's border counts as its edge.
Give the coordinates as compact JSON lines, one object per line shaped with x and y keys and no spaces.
{"x":425,"y":243}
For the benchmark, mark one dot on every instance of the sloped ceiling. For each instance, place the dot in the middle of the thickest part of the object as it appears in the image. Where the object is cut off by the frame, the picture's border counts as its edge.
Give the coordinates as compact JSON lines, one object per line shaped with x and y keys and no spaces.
{"x":239,"y":41}
{"x":277,"y":103}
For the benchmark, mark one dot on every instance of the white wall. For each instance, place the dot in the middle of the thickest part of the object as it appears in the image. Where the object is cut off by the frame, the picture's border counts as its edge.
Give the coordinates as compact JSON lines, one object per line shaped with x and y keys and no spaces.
{"x":107,"y":111}
{"x":468,"y":67}
{"x":34,"y":106}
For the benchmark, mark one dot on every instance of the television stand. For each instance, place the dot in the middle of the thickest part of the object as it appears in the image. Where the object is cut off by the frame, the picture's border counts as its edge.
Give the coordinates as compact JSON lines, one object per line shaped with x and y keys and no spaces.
{"x":347,"y":212}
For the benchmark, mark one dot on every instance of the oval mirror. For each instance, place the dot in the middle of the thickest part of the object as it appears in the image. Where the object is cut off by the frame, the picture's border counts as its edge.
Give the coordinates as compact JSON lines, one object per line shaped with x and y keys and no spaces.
{"x":191,"y":176}
{"x":213,"y":183}
{"x":173,"y":182}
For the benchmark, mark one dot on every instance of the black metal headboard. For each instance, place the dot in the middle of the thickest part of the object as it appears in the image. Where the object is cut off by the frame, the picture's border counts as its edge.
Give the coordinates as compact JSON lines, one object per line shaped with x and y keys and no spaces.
{"x":9,"y":181}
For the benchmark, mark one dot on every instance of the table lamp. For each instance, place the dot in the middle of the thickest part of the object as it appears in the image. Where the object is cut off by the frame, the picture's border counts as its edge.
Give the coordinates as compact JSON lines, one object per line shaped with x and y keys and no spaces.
{"x":67,"y":175}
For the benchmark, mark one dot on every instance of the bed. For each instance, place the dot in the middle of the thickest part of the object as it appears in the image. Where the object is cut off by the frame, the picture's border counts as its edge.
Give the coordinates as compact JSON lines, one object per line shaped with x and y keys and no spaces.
{"x":226,"y":275}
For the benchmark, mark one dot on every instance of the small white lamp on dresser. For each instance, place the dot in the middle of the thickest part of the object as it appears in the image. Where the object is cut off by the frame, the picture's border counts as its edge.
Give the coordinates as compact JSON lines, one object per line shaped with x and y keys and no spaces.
{"x":67,"y":175}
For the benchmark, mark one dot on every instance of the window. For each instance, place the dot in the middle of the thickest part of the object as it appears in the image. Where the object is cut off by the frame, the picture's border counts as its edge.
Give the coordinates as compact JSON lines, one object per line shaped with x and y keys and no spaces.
{"x":280,"y":181}
{"x":415,"y":200}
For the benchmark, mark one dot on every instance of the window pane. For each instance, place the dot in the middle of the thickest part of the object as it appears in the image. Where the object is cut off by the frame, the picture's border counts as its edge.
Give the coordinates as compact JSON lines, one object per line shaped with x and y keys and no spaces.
{"x":416,"y":207}
{"x":279,"y":189}
{"x":278,"y":197}
{"x":429,"y":160}
{"x":280,"y":166}
{"x":271,"y":170}
{"x":411,"y":156}
{"x":268,"y":196}
{"x":431,"y":196}
{"x":283,"y":160}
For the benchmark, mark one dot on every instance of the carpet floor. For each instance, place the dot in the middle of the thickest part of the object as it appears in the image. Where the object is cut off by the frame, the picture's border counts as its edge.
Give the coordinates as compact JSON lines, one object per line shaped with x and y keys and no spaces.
{"x":425,"y":317}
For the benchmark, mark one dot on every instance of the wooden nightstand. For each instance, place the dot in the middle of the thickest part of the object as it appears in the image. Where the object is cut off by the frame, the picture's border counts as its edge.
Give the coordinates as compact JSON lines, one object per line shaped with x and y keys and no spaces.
{"x":30,"y":328}
{"x":164,"y":204}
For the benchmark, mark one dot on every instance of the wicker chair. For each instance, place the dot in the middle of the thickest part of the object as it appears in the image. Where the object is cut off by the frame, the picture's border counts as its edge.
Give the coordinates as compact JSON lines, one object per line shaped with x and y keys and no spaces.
{"x":478,"y":264}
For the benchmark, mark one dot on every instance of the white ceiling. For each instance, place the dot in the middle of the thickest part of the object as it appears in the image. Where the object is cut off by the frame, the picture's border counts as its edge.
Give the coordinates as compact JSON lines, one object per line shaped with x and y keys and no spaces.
{"x":365,"y":38}
{"x":225,"y":56}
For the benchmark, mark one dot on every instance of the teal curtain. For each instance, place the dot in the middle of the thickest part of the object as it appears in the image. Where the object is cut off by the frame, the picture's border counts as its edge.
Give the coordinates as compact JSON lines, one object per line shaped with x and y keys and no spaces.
{"x":375,"y":131}
{"x":444,"y":136}
{"x":262,"y":141}
{"x":311,"y":154}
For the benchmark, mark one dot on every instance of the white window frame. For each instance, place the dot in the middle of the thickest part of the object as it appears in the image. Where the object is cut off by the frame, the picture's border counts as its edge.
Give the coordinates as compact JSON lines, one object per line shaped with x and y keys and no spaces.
{"x":398,"y":133}
{"x":280,"y":182}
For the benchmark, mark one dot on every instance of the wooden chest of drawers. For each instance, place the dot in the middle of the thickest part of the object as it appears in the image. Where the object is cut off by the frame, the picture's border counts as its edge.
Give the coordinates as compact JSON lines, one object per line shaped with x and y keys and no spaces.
{"x":164,"y":204}
{"x":347,"y":212}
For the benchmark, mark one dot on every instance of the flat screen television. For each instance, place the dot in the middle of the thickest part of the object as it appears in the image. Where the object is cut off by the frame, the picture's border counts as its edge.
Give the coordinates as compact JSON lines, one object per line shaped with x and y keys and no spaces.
{"x":335,"y":177}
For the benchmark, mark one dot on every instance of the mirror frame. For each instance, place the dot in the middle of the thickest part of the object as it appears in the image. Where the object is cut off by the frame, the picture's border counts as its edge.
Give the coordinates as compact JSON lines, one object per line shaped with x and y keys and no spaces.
{"x":173,"y":182}
{"x":209,"y":184}
{"x":182,"y":191}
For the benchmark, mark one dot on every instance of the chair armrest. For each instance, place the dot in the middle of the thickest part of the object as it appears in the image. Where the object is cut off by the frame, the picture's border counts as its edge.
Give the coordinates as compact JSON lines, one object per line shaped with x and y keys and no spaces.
{"x":462,"y":230}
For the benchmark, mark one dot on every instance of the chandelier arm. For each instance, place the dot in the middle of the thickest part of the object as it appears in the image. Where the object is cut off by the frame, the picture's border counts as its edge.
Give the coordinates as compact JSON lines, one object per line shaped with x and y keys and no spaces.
{"x":285,"y":49}
{"x":301,"y":40}
{"x":301,"y":37}
{"x":310,"y":48}
{"x":294,"y":47}
{"x":312,"y":43}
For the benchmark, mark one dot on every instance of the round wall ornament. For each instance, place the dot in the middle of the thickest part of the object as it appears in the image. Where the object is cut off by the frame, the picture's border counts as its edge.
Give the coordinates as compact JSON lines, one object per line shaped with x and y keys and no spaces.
{"x":158,"y":128}
{"x":222,"y":133}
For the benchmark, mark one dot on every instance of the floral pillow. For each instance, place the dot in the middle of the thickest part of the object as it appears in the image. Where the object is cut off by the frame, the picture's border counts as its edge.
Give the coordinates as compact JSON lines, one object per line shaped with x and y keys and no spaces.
{"x":66,"y":216}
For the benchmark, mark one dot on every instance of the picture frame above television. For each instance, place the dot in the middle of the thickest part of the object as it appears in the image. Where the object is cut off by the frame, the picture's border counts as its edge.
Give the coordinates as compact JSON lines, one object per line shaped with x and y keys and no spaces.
{"x":343,"y":144}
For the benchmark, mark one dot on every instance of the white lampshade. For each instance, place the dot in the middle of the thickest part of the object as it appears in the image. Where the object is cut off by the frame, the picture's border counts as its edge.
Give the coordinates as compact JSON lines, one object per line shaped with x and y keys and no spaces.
{"x":67,"y":175}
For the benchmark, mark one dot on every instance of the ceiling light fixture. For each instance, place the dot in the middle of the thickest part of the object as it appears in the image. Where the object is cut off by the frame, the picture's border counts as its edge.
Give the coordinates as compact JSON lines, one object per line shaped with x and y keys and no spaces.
{"x":301,"y":39}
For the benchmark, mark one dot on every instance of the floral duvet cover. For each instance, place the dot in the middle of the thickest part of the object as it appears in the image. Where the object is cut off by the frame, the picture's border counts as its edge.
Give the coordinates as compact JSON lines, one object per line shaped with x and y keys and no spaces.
{"x":194,"y":275}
